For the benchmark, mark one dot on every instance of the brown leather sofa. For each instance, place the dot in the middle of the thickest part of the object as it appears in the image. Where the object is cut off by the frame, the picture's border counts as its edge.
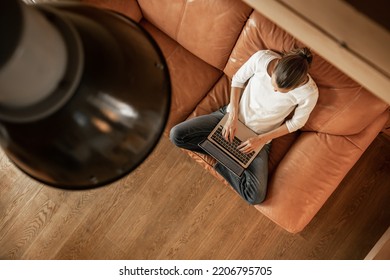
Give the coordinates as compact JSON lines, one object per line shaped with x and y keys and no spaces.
{"x":205,"y":42}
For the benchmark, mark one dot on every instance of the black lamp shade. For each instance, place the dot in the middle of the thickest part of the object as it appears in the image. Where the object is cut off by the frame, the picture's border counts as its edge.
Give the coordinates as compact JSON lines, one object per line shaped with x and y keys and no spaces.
{"x":107,"y":113}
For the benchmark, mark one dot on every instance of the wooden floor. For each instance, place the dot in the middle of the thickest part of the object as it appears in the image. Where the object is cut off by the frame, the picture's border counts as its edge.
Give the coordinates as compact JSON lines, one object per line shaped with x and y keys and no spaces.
{"x":170,"y":208}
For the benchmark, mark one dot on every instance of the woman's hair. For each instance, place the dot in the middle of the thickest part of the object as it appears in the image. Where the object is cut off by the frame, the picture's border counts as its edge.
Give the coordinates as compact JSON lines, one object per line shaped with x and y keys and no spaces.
{"x":291,"y":70}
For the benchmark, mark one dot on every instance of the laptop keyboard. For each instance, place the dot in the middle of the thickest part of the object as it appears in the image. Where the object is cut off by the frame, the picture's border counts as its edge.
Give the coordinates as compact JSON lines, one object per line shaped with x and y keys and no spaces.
{"x":231,"y":146}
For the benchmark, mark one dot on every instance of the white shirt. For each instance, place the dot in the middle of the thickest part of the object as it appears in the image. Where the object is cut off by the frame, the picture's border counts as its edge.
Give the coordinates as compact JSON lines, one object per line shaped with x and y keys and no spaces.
{"x":261,"y":108}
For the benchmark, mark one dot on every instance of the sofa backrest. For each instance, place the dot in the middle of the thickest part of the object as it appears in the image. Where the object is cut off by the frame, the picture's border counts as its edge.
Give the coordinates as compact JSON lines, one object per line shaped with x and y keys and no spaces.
{"x":128,"y":8}
{"x":344,"y":107}
{"x":207,"y":28}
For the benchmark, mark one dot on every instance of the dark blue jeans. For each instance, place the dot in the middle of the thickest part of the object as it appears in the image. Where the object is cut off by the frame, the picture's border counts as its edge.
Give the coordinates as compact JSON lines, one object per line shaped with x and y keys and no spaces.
{"x":252,"y":185}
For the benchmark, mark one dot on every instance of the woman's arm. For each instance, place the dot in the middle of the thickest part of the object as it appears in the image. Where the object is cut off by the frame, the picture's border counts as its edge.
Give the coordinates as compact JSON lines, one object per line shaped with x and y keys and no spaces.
{"x":300,"y":117}
{"x":239,"y":80}
{"x":253,"y":143}
{"x":230,"y":127}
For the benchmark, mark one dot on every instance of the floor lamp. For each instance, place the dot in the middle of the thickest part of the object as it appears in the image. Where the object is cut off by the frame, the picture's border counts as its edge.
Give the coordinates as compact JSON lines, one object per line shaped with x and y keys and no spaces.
{"x":84,"y":93}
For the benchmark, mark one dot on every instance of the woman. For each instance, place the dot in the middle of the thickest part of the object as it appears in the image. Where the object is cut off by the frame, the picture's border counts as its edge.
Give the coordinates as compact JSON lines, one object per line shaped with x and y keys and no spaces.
{"x":264,"y":91}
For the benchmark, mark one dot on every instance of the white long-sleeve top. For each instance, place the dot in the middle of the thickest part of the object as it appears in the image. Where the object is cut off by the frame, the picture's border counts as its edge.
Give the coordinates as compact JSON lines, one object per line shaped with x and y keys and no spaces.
{"x":261,"y":108}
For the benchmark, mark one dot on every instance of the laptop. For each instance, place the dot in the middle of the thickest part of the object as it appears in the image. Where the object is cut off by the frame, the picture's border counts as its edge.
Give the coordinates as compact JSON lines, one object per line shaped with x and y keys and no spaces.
{"x":226,"y":152}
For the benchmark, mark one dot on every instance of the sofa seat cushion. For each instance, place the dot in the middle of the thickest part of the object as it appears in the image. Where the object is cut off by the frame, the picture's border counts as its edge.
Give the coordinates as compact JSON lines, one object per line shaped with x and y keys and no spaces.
{"x":216,"y":98}
{"x":191,"y":77}
{"x":207,"y":28}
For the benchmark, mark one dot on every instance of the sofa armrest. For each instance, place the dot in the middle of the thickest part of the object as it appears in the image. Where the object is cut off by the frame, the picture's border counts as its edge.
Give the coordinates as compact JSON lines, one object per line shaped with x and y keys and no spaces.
{"x":310,"y":172}
{"x":128,"y":8}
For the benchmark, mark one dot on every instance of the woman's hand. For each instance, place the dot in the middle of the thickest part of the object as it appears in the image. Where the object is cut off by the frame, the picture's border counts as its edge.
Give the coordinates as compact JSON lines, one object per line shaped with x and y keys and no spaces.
{"x":252,"y":144}
{"x":229,"y":129}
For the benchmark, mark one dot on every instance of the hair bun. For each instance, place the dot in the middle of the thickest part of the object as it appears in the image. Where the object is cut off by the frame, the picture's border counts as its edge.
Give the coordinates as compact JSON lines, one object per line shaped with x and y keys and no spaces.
{"x":306,"y":54}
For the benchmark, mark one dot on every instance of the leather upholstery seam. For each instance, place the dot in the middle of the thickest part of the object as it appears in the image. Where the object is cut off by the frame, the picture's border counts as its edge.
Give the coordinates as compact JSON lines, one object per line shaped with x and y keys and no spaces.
{"x":353,"y":143}
{"x":181,"y":20}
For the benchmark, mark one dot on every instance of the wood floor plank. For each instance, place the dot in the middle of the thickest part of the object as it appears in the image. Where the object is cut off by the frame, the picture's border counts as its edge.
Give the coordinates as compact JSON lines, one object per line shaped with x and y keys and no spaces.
{"x":71,"y":211}
{"x":170,"y":206}
{"x":13,"y":199}
{"x":194,"y":228}
{"x":105,"y":209}
{"x":107,"y":250}
{"x":260,"y":240}
{"x":15,"y":191}
{"x":36,"y":214}
{"x":224,"y":235}
{"x":108,"y":207}
{"x":8,"y":173}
